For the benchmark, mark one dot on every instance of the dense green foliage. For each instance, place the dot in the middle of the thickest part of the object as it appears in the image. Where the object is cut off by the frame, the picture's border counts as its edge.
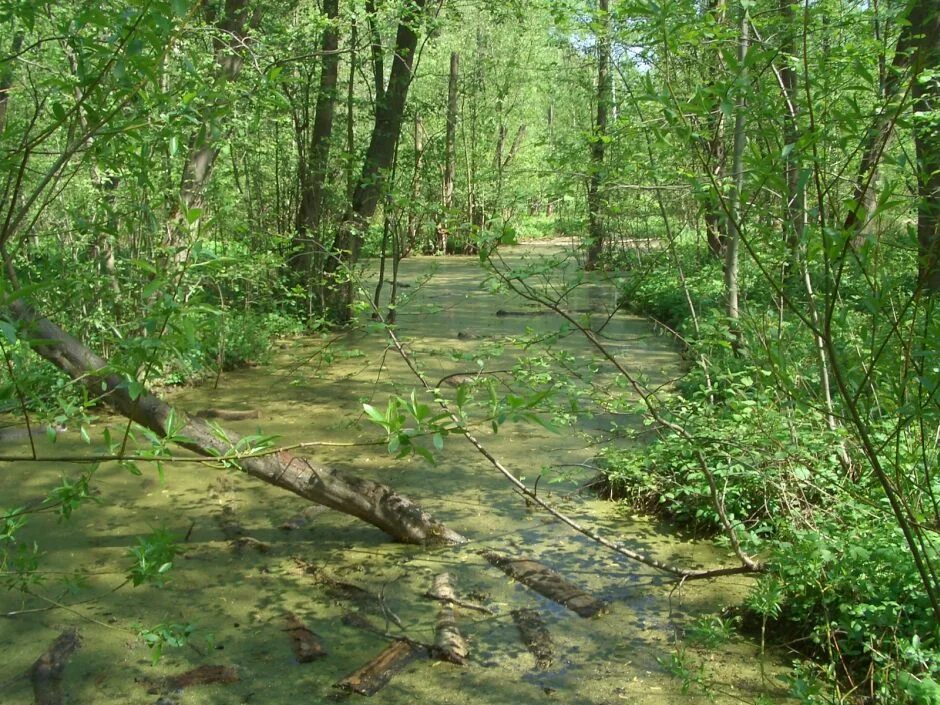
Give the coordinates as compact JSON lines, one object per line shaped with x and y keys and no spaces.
{"x":183,"y":182}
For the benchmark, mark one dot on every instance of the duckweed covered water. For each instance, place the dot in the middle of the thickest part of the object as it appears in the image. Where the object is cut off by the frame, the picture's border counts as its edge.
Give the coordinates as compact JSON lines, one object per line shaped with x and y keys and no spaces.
{"x":237,"y":598}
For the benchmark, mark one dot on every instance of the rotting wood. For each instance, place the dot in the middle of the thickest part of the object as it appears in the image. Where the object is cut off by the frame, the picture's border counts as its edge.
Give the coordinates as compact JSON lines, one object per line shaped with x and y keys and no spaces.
{"x":228,"y":414}
{"x":535,"y":636}
{"x":449,"y":644}
{"x":502,"y":313}
{"x":370,"y":501}
{"x":47,"y":671}
{"x":375,"y":675}
{"x":442,"y":589}
{"x":305,"y":644}
{"x":546,"y":582}
{"x":207,"y":674}
{"x":203,"y":675}
{"x":245,"y":543}
{"x":19,"y":434}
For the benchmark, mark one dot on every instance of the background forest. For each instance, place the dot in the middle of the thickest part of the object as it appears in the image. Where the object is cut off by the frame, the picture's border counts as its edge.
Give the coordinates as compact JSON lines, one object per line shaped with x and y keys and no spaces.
{"x":183,"y":182}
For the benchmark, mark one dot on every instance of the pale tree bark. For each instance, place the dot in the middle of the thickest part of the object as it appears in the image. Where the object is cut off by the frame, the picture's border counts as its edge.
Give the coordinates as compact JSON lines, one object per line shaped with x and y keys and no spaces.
{"x":389,"y":115}
{"x":595,"y":197}
{"x":794,"y":206}
{"x":237,"y":19}
{"x":450,"y":152}
{"x":716,"y":227}
{"x":737,"y":186}
{"x":307,"y":240}
{"x":372,"y":502}
{"x":414,"y":220}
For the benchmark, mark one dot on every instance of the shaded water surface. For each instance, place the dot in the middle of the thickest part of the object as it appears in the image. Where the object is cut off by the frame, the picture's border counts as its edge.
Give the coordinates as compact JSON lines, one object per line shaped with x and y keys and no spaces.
{"x":237,"y":597}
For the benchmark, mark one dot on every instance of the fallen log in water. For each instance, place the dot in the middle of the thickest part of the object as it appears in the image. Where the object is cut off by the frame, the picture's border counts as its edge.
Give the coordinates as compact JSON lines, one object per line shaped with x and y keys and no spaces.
{"x":442,"y":590}
{"x":370,"y":501}
{"x":546,"y":582}
{"x":375,"y":675}
{"x":202,"y":675}
{"x":228,"y":414}
{"x":206,"y":674}
{"x":449,"y":644}
{"x":47,"y":671}
{"x":20,"y":434}
{"x":535,"y":636}
{"x":306,"y":645}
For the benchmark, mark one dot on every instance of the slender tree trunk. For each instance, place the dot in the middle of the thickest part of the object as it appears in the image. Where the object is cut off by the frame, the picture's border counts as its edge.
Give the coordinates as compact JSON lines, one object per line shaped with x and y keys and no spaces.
{"x":372,"y":502}
{"x":386,"y":130}
{"x":925,"y":23}
{"x":378,"y":52}
{"x":450,"y":152}
{"x":318,"y":154}
{"x":351,"y":112}
{"x":6,"y":79}
{"x":413,"y":219}
{"x":795,"y":199}
{"x":237,"y":20}
{"x":595,"y":197}
{"x":734,"y":198}
{"x":716,"y":227}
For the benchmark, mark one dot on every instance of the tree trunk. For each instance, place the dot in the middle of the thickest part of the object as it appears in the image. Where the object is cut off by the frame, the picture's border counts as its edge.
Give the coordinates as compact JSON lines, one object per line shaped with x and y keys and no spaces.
{"x":389,"y":114}
{"x":450,"y":152}
{"x":734,"y":198}
{"x":595,"y":198}
{"x":795,"y":201}
{"x":318,"y":154}
{"x":378,"y":62}
{"x":925,"y":23}
{"x":370,"y":501}
{"x":716,"y":226}
{"x":237,"y":20}
{"x":6,"y":79}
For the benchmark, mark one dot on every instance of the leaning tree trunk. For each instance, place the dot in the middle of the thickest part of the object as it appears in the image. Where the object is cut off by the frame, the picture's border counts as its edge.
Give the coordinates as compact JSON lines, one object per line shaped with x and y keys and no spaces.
{"x":370,"y":501}
{"x":389,"y":113}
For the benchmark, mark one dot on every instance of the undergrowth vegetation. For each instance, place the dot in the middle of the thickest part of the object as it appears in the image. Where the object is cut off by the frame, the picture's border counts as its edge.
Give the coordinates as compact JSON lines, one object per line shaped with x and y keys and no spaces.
{"x":841,"y":586}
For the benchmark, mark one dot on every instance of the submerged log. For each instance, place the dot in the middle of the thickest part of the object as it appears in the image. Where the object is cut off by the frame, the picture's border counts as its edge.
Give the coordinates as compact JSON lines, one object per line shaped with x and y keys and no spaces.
{"x":306,"y":645}
{"x":370,"y":501}
{"x":202,"y":675}
{"x":449,"y":644}
{"x":535,"y":636}
{"x":442,"y":589}
{"x":47,"y":671}
{"x":546,"y":582}
{"x":375,"y":675}
{"x":228,"y":414}
{"x":20,"y":434}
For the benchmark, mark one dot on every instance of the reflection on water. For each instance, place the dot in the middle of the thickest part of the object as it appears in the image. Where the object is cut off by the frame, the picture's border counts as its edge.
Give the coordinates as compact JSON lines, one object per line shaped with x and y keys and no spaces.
{"x":237,"y":598}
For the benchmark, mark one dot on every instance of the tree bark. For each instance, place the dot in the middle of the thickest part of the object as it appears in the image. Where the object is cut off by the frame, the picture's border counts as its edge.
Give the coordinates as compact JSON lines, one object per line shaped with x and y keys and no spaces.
{"x":595,"y":199}
{"x":389,"y":114}
{"x":716,"y":226}
{"x":734,"y":198}
{"x":450,"y":152}
{"x":925,"y":24}
{"x":372,"y":502}
{"x":318,"y":154}
{"x":238,"y":18}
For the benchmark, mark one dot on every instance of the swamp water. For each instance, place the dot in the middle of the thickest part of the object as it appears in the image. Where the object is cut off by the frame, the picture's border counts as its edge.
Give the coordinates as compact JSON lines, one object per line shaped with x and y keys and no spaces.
{"x":237,"y":597}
